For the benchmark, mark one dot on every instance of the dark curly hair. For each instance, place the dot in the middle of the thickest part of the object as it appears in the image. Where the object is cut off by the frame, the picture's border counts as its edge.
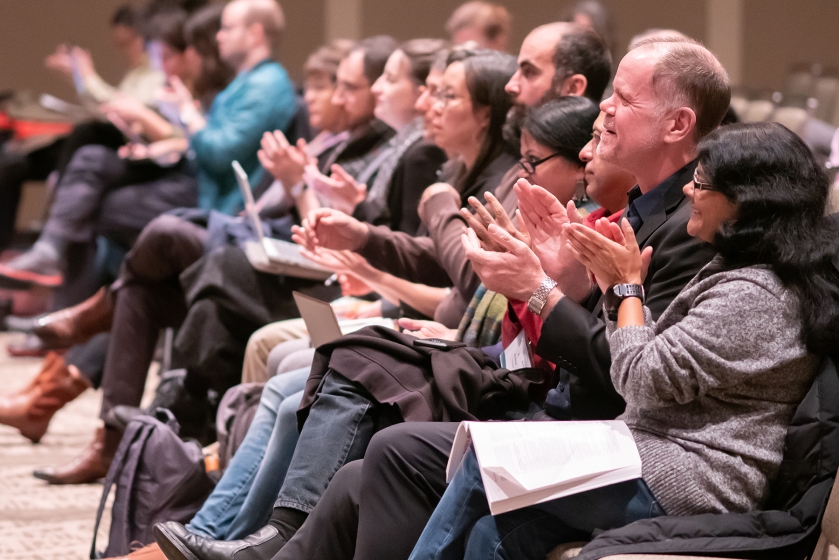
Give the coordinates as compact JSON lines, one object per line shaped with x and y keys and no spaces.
{"x":780,"y":192}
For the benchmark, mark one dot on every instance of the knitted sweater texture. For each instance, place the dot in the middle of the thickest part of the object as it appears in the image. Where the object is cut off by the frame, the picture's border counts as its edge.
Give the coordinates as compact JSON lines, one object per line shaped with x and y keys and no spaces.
{"x":711,"y":388}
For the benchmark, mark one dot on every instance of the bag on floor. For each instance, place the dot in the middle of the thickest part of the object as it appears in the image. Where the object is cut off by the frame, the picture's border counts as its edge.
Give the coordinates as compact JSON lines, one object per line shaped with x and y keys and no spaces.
{"x":158,"y":477}
{"x":235,"y":414}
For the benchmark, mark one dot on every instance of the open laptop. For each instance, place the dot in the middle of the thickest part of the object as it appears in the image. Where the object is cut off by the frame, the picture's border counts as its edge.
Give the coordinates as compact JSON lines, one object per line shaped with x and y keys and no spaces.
{"x":274,"y":256}
{"x":322,"y":323}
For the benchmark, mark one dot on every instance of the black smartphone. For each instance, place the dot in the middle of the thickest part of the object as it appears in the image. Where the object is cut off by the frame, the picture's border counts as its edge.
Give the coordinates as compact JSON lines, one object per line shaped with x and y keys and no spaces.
{"x":438,"y":343}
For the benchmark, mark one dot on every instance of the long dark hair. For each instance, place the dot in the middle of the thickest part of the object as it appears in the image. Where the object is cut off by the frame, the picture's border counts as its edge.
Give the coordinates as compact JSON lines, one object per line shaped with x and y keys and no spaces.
{"x":780,"y":192}
{"x":200,"y":33}
{"x":563,"y":125}
{"x":487,"y":72}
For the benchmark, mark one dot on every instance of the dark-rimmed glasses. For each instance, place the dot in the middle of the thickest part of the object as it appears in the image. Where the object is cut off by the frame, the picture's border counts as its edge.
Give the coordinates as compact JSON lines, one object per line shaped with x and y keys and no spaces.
{"x":529,"y":165}
{"x":700,"y":186}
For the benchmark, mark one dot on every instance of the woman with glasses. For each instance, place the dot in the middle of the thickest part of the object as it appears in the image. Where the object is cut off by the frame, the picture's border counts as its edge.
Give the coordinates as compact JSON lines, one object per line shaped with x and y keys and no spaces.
{"x":711,"y":387}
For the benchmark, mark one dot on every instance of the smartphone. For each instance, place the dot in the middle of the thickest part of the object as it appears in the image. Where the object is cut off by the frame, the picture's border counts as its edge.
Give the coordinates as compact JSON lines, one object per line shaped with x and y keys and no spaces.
{"x":438,"y":343}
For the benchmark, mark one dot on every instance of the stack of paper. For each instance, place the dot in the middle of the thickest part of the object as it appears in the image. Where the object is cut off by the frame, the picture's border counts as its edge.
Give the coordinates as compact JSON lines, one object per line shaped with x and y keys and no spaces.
{"x":525,"y":463}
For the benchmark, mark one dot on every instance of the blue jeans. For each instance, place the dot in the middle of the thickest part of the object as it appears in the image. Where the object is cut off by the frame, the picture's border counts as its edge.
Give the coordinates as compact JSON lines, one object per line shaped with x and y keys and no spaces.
{"x":241,"y":502}
{"x":461,"y":527}
{"x":339,"y":427}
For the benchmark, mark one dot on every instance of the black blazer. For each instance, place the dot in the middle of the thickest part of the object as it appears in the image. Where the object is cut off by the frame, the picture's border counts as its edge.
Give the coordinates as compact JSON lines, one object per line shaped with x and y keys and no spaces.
{"x":574,"y":335}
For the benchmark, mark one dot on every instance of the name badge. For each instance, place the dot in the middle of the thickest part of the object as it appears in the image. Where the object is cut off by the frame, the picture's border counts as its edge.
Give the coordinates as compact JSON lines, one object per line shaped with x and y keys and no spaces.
{"x":517,"y":354}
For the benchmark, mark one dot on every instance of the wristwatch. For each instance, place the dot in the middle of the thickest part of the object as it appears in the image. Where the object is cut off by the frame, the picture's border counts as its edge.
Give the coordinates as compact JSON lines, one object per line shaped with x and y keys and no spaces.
{"x":619,"y":292}
{"x":540,"y":297}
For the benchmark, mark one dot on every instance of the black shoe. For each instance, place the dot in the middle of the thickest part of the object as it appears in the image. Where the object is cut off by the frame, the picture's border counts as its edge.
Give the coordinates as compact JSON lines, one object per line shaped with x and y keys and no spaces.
{"x":179,"y":544}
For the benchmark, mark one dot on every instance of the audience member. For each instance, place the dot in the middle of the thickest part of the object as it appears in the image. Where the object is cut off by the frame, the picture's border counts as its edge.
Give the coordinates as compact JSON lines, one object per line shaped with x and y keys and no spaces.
{"x":696,"y":403}
{"x":409,"y":460}
{"x":593,"y":15}
{"x":488,"y":25}
{"x":232,"y":130}
{"x":472,"y":91}
{"x":141,"y":82}
{"x":347,"y":522}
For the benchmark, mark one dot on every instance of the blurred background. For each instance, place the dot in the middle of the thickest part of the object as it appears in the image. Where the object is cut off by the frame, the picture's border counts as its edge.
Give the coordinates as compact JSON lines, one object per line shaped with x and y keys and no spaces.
{"x":759,"y":41}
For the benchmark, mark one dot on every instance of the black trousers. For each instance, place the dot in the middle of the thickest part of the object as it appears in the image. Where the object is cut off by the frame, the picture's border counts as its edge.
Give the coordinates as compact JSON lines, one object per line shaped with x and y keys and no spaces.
{"x":148,"y":298}
{"x":103,"y":194}
{"x":15,"y":168}
{"x":377,"y":507}
{"x":227,"y":301}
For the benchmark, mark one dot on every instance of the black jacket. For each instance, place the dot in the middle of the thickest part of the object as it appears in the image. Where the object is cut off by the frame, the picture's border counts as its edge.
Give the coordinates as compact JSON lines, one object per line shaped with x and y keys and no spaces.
{"x":574,"y":336}
{"x":789,"y":526}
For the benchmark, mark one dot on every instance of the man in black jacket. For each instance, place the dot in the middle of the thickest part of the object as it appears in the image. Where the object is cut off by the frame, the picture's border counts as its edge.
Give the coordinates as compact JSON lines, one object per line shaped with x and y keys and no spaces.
{"x":652,"y":128}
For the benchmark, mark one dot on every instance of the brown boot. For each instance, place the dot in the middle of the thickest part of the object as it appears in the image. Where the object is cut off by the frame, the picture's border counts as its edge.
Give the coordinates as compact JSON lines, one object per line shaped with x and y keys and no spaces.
{"x":90,"y":466}
{"x":77,"y":324}
{"x":31,"y":409}
{"x":149,"y":552}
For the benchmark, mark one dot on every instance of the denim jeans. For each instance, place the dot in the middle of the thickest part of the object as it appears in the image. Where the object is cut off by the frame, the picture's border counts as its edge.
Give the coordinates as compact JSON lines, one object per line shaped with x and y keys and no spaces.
{"x":241,"y":502}
{"x":462,"y":528}
{"x":339,"y":427}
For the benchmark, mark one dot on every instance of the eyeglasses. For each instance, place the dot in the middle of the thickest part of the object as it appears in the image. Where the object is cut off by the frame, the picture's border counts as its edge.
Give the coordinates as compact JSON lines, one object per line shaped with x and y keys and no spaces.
{"x":443,"y":96}
{"x":700,"y":186}
{"x":529,"y":165}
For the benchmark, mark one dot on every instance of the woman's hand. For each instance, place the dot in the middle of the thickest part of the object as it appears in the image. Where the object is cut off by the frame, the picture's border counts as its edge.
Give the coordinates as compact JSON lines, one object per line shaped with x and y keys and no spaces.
{"x":610,"y":252}
{"x":341,"y":190}
{"x":330,"y":229}
{"x":340,"y":262}
{"x":492,"y":213}
{"x":426,"y":329}
{"x":353,"y":286}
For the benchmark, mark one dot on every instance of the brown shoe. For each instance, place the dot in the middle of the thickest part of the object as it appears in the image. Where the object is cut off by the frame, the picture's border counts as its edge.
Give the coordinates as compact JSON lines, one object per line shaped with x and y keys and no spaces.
{"x":149,"y":552}
{"x":77,"y":324}
{"x":31,"y":408}
{"x":90,"y":466}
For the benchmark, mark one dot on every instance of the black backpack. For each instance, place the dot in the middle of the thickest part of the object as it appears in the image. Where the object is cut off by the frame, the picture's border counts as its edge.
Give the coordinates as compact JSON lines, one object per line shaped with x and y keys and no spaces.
{"x":159,"y":477}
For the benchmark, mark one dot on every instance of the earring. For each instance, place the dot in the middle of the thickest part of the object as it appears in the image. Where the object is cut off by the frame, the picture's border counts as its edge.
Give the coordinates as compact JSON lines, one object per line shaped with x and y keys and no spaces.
{"x":580,"y":191}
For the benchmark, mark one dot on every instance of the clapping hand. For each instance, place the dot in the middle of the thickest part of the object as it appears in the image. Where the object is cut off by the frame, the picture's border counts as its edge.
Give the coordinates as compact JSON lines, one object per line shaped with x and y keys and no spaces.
{"x":514,"y":272}
{"x":330,"y":229}
{"x":282,"y":160}
{"x":492,"y":213}
{"x":610,"y":252}
{"x":341,"y":190}
{"x":544,"y":217}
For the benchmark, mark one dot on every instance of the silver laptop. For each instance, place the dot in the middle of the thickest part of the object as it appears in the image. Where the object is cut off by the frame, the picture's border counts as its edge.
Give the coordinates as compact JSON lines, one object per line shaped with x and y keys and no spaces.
{"x":284,"y":254}
{"x":319,"y":317}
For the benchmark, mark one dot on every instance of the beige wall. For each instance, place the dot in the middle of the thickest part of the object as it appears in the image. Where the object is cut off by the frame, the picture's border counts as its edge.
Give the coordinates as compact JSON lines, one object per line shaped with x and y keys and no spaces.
{"x":776,"y":32}
{"x":782,"y":32}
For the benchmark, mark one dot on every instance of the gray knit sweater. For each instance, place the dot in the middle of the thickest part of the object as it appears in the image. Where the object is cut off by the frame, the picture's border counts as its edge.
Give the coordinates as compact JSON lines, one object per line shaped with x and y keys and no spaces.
{"x":711,"y":388}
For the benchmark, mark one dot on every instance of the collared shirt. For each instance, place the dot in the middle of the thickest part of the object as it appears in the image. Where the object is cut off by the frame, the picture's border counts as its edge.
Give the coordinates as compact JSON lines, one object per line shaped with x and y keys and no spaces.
{"x":643,"y":205}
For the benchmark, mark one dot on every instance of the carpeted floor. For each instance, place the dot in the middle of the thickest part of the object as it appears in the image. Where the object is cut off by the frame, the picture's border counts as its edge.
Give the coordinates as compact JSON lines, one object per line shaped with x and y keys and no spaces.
{"x":39,"y":521}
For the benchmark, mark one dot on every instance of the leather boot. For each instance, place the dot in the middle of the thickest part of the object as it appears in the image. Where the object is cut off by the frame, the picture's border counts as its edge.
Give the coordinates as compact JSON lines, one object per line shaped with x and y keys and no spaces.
{"x":77,"y":324}
{"x":31,"y":408}
{"x":90,"y":466}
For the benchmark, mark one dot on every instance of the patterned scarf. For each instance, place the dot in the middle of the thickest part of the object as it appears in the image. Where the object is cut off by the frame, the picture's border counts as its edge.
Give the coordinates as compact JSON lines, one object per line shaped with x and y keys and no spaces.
{"x":481,"y":324}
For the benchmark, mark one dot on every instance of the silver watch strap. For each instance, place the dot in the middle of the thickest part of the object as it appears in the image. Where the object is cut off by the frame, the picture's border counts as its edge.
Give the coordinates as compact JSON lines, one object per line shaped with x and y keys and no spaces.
{"x":540,"y":296}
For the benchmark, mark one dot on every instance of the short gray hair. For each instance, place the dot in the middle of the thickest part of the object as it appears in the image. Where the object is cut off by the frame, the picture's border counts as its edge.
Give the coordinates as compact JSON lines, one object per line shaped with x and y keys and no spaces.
{"x":689,"y":75}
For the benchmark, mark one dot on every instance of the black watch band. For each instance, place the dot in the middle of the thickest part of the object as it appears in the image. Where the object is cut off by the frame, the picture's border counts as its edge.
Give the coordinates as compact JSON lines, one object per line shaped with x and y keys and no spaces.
{"x":619,"y":292}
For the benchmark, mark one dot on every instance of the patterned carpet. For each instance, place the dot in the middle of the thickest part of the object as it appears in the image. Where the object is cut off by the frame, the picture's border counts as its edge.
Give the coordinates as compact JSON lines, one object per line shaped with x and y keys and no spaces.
{"x":39,"y":521}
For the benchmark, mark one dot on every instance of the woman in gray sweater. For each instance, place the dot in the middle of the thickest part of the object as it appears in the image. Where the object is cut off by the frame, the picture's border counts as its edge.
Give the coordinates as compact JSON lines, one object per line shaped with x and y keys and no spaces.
{"x":711,"y":387}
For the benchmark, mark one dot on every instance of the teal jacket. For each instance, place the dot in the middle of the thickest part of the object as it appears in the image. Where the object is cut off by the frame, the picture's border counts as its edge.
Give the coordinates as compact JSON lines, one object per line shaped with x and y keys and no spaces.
{"x":256,"y":101}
